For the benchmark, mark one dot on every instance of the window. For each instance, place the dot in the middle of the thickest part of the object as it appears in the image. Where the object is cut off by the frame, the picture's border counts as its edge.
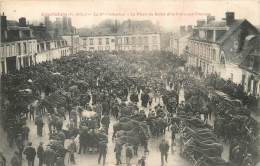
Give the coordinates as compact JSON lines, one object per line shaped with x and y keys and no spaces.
{"x":42,"y":47}
{"x":251,"y":61}
{"x":155,"y":47}
{"x":107,"y":48}
{"x":214,"y":54}
{"x":48,"y":47}
{"x":25,"y":48}
{"x":133,"y":40}
{"x":38,"y":48}
{"x":243,"y":80}
{"x":84,"y":43}
{"x":3,"y":66}
{"x":140,"y":40}
{"x":119,"y":40}
{"x":126,"y":40}
{"x":154,"y":38}
{"x":91,"y":41}
{"x":100,"y":41}
{"x":112,"y":40}
{"x":100,"y":48}
{"x":107,"y":40}
{"x":19,"y":49}
{"x":146,"y":39}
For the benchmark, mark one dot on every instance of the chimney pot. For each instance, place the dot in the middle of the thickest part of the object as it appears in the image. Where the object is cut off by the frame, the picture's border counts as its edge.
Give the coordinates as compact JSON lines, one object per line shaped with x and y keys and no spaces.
{"x":230,"y":18}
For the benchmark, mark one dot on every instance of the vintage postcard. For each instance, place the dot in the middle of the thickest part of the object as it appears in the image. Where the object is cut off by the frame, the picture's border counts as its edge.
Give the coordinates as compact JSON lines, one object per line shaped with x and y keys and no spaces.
{"x":130,"y":83}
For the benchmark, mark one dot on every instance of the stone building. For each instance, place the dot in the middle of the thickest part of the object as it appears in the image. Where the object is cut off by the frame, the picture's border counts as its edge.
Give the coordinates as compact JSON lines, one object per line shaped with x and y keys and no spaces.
{"x":218,"y":46}
{"x":121,"y":42}
{"x":18,"y":46}
{"x":48,"y":47}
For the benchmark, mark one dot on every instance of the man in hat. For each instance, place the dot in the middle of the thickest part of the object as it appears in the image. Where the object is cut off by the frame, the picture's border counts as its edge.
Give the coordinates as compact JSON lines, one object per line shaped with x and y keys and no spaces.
{"x":49,"y":156}
{"x":39,"y":123}
{"x":16,"y":160}
{"x":117,"y":150}
{"x":2,"y":159}
{"x":164,"y":148}
{"x":30,"y":153}
{"x":40,"y":153}
{"x":20,"y":143}
{"x":105,"y":121}
{"x":50,"y":123}
{"x":102,"y":151}
{"x":25,"y":131}
{"x":72,"y":148}
{"x":129,"y":154}
{"x":141,"y":162}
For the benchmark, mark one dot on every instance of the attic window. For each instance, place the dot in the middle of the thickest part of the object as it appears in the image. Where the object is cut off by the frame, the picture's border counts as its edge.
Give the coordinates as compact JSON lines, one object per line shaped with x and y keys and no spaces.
{"x":251,"y":61}
{"x":222,"y":58}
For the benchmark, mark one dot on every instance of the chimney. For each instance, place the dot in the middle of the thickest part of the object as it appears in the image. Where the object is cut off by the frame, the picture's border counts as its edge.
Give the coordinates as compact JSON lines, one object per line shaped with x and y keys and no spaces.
{"x":210,"y":18}
{"x":230,"y":18}
{"x":22,"y":22}
{"x":201,"y":23}
{"x":3,"y":21}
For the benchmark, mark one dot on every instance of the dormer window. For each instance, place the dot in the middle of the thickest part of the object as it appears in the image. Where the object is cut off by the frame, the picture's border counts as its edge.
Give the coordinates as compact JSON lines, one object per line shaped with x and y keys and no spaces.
{"x":222,"y":58}
{"x":251,"y":61}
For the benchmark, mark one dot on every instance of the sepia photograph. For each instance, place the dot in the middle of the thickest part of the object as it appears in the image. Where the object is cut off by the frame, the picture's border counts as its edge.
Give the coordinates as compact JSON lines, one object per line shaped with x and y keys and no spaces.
{"x":130,"y":83}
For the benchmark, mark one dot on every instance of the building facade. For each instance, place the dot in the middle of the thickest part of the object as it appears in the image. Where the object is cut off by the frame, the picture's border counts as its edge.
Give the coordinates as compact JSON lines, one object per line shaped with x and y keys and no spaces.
{"x":138,"y":42}
{"x":50,"y":50}
{"x":121,"y":42}
{"x":98,"y":43}
{"x":178,"y":43}
{"x":73,"y":41}
{"x":218,"y":46}
{"x":18,"y":46}
{"x":251,"y":67}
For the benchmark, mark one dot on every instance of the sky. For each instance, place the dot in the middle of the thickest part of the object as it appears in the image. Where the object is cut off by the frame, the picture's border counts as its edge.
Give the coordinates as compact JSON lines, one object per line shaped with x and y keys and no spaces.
{"x":167,"y":13}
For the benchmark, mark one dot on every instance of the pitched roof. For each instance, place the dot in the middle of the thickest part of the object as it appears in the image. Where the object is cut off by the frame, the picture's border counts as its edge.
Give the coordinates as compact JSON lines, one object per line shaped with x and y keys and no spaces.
{"x":253,"y":54}
{"x":236,"y":24}
{"x":233,"y":28}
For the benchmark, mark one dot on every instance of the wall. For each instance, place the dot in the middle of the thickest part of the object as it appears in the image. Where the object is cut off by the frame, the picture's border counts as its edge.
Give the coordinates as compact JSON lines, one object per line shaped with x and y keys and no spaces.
{"x":49,"y":55}
{"x":73,"y":42}
{"x":86,"y":44}
{"x":139,"y":42}
{"x":122,"y":42}
{"x":18,"y":49}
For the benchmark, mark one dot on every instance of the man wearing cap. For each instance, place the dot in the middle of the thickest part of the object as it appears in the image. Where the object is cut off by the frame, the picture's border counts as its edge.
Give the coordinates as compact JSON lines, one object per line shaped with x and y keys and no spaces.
{"x":129,"y":154}
{"x":117,"y":150}
{"x":16,"y":160}
{"x":102,"y":151}
{"x":164,"y":148}
{"x":40,"y":153}
{"x":30,"y":153}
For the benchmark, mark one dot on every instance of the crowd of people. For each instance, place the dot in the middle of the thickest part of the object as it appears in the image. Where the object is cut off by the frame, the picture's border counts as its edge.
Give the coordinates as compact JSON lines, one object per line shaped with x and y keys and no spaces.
{"x":78,"y":96}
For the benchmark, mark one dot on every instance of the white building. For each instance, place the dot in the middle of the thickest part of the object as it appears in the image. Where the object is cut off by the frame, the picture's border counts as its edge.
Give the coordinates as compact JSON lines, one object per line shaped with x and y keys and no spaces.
{"x":178,"y":43}
{"x":18,"y":46}
{"x":218,"y":46}
{"x":49,"y":50}
{"x":121,"y":42}
{"x":98,"y":43}
{"x":73,"y":42}
{"x":139,"y":42}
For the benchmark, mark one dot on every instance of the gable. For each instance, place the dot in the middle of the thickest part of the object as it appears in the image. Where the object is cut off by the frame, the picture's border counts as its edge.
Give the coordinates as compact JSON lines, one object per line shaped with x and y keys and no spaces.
{"x":234,"y":45}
